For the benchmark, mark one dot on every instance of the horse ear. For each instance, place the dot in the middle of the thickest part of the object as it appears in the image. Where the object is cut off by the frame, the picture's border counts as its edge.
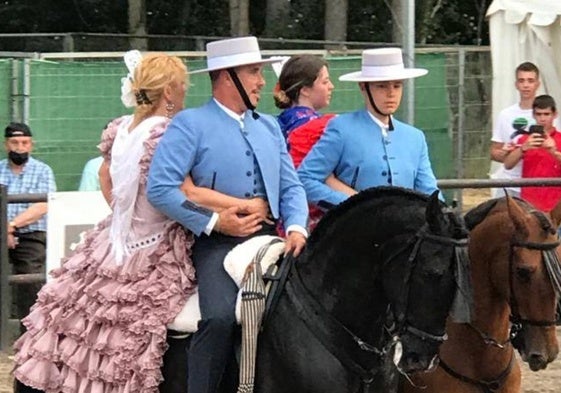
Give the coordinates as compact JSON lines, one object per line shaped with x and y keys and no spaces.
{"x":556,"y":215}
{"x":434,"y":215}
{"x":516,"y":214}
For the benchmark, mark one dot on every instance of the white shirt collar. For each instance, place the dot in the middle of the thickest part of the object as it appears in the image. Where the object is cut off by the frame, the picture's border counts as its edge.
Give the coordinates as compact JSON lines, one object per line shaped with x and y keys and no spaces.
{"x":383,"y":127}
{"x":231,"y":113}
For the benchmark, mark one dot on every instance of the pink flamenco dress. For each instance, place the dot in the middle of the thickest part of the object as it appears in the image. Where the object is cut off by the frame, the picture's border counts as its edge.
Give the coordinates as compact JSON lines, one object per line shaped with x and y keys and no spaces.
{"x":100,"y":326}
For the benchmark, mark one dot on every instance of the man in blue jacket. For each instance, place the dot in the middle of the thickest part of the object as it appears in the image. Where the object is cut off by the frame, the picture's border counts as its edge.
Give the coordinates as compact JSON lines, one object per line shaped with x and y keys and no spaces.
{"x":370,"y":147}
{"x":228,"y":147}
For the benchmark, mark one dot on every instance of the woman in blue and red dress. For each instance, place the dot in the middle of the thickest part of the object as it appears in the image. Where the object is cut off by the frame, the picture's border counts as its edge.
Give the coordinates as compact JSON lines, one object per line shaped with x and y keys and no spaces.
{"x":303,"y":89}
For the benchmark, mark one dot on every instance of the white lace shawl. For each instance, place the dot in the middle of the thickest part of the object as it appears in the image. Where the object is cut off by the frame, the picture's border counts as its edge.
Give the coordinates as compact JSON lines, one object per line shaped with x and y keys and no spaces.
{"x":126,"y":153}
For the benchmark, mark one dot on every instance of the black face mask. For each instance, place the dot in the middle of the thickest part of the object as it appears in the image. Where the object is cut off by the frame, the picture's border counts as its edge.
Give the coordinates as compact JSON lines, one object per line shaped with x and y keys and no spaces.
{"x":18,"y":158}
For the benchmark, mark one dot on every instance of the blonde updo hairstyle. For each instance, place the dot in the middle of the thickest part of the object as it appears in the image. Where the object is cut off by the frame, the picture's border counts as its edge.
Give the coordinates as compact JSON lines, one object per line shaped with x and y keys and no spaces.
{"x":298,"y":72}
{"x":154,"y":73}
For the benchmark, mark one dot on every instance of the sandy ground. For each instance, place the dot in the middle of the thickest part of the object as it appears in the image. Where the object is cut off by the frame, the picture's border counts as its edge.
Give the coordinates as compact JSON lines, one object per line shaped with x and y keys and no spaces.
{"x":545,"y":381}
{"x":473,"y":197}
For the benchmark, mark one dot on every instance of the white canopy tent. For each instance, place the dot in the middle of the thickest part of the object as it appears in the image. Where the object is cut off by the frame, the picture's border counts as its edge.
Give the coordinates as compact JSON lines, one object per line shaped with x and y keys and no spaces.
{"x":524,"y":30}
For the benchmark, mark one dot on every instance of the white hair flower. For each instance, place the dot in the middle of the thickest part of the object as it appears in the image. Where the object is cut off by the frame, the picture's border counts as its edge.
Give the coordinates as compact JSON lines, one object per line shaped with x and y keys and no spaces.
{"x":132,"y":59}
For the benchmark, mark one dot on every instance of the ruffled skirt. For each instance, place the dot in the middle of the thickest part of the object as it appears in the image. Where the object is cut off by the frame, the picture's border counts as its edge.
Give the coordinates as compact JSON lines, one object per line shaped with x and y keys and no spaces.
{"x":101,"y":328}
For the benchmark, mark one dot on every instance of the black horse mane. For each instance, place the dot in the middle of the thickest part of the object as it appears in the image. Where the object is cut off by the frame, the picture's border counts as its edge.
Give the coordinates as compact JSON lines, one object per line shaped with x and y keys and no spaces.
{"x":476,"y":215}
{"x":366,"y":195}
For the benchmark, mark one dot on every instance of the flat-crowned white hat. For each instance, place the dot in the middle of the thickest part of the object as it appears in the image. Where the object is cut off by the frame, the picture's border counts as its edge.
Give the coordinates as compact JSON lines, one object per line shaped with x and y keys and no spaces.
{"x":383,"y":64}
{"x":233,"y":52}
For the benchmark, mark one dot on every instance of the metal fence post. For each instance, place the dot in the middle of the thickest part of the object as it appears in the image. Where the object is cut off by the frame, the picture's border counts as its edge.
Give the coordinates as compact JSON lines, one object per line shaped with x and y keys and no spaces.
{"x":26,"y":90}
{"x":68,"y":42}
{"x":5,"y":271}
{"x":461,"y":121}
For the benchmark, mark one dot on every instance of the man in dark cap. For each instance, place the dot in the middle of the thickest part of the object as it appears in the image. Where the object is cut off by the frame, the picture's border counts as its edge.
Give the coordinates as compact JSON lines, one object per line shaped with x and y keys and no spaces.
{"x":27,"y":222}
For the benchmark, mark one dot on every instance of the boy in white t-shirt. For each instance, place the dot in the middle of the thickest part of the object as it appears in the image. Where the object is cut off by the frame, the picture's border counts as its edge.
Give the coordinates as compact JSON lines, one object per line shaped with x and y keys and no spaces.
{"x":512,"y":119}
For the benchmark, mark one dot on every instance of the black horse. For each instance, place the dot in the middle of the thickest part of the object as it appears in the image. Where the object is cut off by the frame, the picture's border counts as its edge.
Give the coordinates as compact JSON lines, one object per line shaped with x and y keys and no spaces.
{"x":385,"y":254}
{"x":386,"y":250}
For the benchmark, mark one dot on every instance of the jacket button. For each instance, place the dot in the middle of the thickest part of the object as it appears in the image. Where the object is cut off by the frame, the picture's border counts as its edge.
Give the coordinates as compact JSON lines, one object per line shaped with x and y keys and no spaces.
{"x":247,"y":194}
{"x":248,"y":173}
{"x":384,"y":173}
{"x":248,"y":153}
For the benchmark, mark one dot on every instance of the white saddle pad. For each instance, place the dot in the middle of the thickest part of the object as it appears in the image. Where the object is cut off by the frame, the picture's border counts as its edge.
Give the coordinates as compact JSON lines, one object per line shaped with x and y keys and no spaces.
{"x":235,"y":263}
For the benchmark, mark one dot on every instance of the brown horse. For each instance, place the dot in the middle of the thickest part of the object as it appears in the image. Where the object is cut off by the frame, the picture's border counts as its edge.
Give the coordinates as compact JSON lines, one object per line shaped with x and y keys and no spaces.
{"x":512,"y":250}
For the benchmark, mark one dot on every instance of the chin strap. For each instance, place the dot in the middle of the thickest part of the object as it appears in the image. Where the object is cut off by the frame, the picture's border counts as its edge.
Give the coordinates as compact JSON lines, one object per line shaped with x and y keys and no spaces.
{"x":371,"y":100}
{"x":243,"y":93}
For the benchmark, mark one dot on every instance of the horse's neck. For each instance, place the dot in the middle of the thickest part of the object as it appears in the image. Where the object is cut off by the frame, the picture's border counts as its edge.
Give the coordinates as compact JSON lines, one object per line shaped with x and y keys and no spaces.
{"x":340,"y":267}
{"x":490,"y":318}
{"x":492,"y":310}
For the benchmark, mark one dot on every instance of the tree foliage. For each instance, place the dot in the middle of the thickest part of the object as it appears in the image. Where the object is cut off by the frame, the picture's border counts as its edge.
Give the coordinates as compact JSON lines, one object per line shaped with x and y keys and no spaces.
{"x":437,"y":21}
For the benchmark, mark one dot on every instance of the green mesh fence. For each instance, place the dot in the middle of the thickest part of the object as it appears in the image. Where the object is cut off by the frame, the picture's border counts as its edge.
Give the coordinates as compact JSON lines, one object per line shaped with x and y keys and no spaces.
{"x":70,"y":103}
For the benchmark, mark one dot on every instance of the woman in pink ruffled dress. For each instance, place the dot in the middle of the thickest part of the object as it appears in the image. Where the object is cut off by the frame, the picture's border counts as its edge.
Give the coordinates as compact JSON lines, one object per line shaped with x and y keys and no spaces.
{"x":100,"y":325}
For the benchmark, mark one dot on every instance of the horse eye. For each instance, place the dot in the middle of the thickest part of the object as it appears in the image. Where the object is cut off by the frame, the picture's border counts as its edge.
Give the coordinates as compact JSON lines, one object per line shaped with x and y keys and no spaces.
{"x":524,"y":274}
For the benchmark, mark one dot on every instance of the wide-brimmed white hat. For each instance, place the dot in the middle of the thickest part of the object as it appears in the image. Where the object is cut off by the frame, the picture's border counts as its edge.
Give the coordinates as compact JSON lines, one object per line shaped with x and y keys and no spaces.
{"x":233,"y":52}
{"x":384,"y":64}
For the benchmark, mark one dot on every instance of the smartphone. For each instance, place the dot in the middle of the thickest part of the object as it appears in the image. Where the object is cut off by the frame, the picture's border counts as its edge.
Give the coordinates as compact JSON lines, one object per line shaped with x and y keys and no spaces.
{"x":536,"y":129}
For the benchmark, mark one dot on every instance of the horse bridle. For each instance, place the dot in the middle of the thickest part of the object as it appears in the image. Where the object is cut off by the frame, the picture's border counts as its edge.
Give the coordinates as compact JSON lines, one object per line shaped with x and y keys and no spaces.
{"x":515,"y":317}
{"x":517,"y":323}
{"x":422,"y":235}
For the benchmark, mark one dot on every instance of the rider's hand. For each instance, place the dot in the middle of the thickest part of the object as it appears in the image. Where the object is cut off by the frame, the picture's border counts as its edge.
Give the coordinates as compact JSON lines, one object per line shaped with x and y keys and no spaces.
{"x":258,"y":206}
{"x":295,"y":242}
{"x":230,"y":223}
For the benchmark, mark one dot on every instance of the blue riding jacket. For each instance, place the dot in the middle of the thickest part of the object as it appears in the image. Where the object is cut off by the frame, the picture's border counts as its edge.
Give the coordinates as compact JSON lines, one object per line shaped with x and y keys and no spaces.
{"x":219,"y":154}
{"x":355,"y":149}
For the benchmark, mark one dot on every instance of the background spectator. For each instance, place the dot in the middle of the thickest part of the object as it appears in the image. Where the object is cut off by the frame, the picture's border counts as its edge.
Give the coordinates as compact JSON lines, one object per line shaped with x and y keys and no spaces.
{"x":90,"y":175}
{"x":538,"y":154}
{"x":515,"y":118}
{"x":27,"y":222}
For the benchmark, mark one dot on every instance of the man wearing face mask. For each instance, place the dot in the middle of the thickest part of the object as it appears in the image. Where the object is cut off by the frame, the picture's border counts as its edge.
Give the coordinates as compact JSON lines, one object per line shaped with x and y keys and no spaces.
{"x":27,"y":222}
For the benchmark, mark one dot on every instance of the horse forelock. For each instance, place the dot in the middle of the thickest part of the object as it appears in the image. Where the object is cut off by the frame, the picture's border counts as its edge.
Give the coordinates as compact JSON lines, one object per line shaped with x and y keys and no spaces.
{"x":476,"y":215}
{"x":460,"y":230}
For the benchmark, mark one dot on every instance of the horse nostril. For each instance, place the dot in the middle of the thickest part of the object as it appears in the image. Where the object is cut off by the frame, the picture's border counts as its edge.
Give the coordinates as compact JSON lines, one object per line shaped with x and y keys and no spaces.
{"x":537,"y":362}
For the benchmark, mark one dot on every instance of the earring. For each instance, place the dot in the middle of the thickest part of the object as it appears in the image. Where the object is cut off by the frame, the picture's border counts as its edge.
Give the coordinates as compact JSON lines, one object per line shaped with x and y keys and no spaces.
{"x":170,"y":106}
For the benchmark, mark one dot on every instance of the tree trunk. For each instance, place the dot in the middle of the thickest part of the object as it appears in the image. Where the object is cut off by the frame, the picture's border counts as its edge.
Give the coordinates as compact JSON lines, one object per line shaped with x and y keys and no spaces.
{"x":398,"y":29}
{"x":276,"y":17}
{"x":427,"y":11}
{"x":336,"y":21}
{"x":239,"y":17}
{"x":481,"y":7}
{"x":137,"y":24}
